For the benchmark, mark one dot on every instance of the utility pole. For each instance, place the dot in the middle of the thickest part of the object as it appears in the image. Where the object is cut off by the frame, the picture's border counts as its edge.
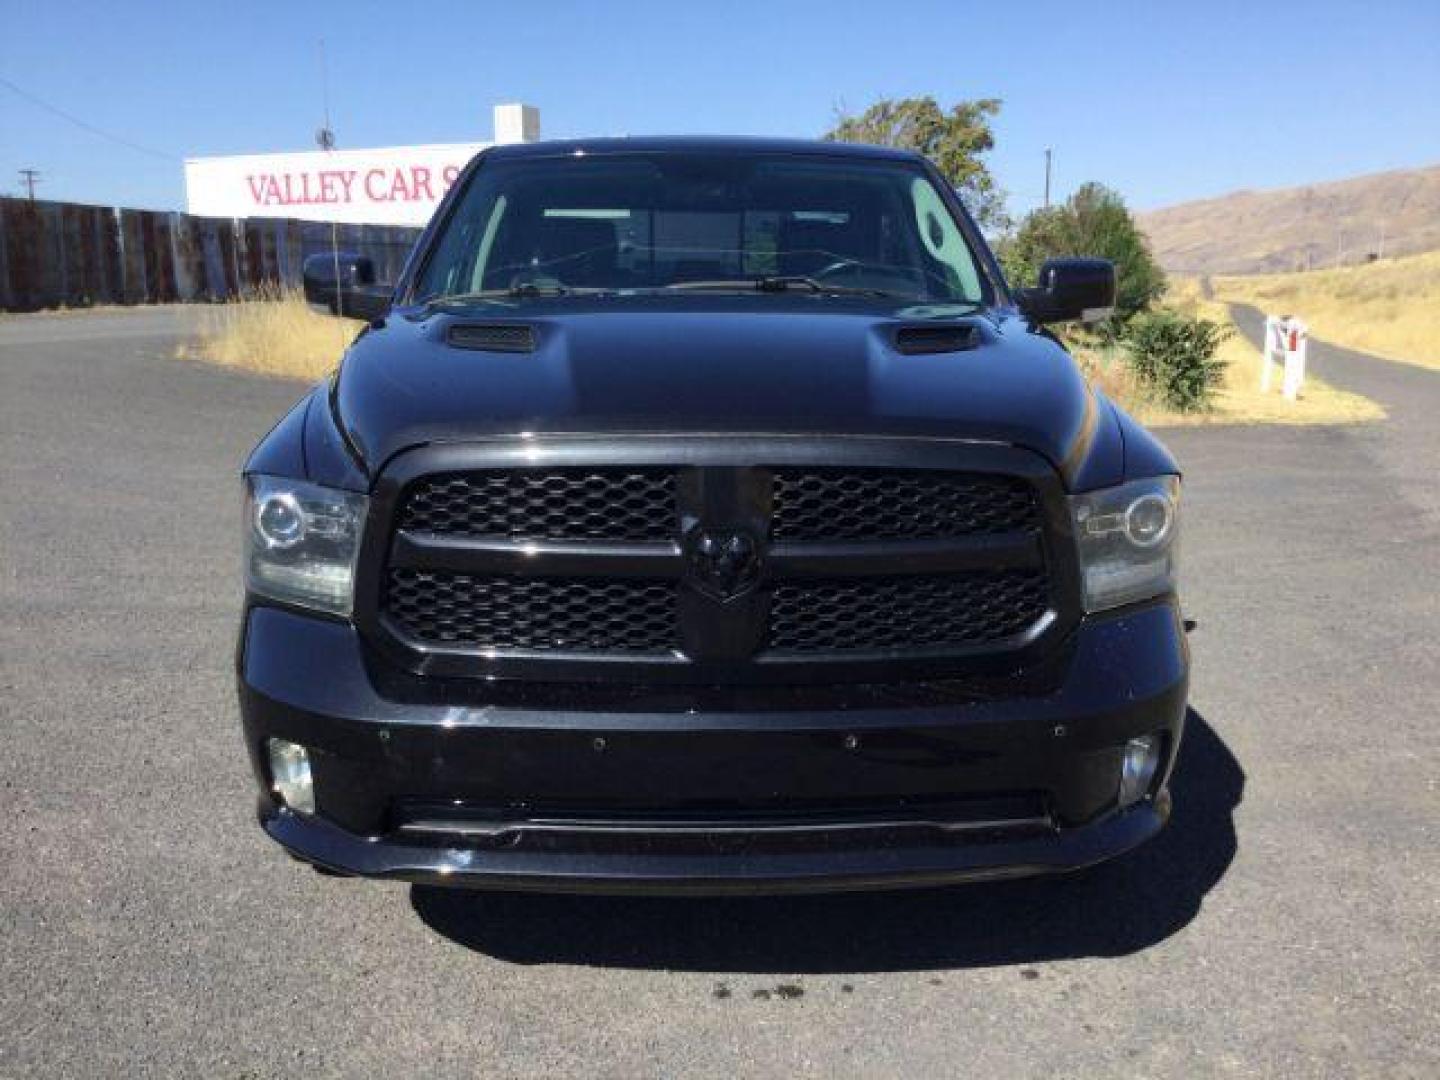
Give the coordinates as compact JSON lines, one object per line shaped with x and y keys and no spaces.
{"x":1047,"y":178}
{"x":1380,"y":247}
{"x":28,"y":178}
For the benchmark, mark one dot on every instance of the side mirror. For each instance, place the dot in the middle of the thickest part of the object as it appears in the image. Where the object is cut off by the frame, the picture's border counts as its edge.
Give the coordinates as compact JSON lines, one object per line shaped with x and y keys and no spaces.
{"x":1071,"y":290}
{"x":352,"y":293}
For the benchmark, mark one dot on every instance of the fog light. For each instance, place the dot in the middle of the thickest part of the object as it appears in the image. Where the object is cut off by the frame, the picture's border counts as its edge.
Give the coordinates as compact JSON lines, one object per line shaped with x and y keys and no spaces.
{"x":1137,"y":770}
{"x":290,"y":775}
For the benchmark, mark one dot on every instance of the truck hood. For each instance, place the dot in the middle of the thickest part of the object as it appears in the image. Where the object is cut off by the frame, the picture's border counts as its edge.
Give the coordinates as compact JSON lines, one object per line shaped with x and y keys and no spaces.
{"x":728,"y":363}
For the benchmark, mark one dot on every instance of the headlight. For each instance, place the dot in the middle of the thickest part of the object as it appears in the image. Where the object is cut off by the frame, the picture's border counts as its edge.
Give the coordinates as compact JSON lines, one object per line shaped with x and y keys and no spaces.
{"x":1128,"y":541}
{"x":301,"y":540}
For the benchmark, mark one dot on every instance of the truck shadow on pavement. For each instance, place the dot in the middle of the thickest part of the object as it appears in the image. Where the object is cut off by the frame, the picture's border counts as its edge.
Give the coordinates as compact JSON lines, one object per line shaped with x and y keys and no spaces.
{"x":1111,"y":910}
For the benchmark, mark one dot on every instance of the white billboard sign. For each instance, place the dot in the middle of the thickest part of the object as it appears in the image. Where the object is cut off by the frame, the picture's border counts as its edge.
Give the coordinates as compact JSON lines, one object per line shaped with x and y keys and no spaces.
{"x":397,"y":185}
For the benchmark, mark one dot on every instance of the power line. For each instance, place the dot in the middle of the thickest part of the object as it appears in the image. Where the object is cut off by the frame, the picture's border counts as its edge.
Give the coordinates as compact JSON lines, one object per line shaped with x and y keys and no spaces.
{"x":91,"y":128}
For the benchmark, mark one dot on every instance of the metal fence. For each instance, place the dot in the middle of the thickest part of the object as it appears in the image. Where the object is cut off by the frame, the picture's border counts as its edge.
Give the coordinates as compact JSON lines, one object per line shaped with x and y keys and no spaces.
{"x":55,"y":254}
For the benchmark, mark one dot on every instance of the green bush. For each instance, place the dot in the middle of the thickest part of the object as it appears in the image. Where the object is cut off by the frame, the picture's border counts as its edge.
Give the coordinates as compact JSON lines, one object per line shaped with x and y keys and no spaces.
{"x":1174,"y":356}
{"x":1094,"y":222}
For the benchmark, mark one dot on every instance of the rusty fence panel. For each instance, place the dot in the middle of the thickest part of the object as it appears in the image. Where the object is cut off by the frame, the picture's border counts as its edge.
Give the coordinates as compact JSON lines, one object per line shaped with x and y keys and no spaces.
{"x":19,"y":221}
{"x":98,"y":255}
{"x":69,"y":254}
{"x":133,"y":288}
{"x":159,"y":258}
{"x":7,"y":294}
{"x":188,"y":257}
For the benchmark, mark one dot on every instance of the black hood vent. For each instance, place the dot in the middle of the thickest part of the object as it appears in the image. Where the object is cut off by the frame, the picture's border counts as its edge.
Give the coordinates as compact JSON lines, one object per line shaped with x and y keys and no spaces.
{"x":931,"y":338}
{"x":493,"y":337}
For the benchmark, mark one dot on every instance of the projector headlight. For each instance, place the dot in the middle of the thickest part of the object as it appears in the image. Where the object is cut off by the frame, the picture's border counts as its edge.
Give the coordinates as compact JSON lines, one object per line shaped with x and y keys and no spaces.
{"x":1128,"y":539}
{"x":301,"y":541}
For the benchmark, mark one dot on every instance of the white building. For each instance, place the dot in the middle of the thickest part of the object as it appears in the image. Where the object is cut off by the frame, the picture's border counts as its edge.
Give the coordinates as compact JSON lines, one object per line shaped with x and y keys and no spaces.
{"x":393,"y":185}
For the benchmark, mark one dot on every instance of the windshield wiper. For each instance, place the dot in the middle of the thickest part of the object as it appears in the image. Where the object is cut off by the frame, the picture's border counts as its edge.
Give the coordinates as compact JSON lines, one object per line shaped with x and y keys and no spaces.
{"x":525,"y":290}
{"x":782,"y":283}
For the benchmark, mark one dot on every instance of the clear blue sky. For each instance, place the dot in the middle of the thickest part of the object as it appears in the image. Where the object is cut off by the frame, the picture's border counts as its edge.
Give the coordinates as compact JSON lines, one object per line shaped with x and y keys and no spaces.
{"x":1164,"y":101}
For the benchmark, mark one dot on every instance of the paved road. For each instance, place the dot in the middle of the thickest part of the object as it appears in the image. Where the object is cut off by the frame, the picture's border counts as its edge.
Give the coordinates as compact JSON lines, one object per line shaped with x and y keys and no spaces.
{"x":1286,"y":924}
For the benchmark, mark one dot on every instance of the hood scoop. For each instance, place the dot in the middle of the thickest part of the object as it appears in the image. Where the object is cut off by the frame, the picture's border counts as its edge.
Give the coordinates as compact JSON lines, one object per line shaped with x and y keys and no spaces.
{"x":932,"y":338}
{"x":492,"y":337}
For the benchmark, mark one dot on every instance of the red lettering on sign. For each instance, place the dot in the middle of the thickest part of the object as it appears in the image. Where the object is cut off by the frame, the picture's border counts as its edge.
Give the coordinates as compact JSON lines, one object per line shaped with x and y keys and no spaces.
{"x":371,"y":192}
{"x":403,"y":183}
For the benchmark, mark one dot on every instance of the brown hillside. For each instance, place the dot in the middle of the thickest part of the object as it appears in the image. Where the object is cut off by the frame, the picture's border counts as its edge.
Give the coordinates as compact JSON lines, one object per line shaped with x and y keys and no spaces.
{"x":1298,"y":228}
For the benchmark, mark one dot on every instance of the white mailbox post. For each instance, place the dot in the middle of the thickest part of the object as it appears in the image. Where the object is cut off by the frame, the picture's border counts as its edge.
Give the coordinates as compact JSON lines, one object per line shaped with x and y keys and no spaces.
{"x":1287,"y":336}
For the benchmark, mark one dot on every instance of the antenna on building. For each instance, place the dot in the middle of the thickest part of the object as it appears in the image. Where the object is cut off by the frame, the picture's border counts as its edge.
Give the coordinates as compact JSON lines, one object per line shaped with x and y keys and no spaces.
{"x":325,"y":139}
{"x":325,"y":136}
{"x":28,"y":177}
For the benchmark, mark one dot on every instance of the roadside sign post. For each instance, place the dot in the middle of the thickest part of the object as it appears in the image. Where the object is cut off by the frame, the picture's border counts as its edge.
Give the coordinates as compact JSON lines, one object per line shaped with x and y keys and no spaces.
{"x":1296,"y":345}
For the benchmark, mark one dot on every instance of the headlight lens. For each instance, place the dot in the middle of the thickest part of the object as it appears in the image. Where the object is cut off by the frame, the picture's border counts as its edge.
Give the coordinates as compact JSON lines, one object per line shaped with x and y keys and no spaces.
{"x":1128,"y":538}
{"x":301,"y":541}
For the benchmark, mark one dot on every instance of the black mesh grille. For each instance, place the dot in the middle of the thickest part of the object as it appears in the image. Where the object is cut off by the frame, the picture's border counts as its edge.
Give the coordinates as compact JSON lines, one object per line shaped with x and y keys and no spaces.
{"x":555,"y":504}
{"x":887,"y":613}
{"x":585,"y":600}
{"x":836,"y":504}
{"x":493,"y":337}
{"x":546,"y":614}
{"x":924,"y":340}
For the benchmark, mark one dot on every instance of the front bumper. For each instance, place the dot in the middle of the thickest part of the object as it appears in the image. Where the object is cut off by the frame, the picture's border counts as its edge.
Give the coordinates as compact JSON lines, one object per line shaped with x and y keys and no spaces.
{"x":648,"y":799}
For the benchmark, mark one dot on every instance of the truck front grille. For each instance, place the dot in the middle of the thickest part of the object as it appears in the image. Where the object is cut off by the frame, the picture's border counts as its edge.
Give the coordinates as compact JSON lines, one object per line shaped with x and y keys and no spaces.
{"x":554,"y":504}
{"x":868,"y":614}
{"x":714,"y":571}
{"x":533,"y":614}
{"x":823,"y":505}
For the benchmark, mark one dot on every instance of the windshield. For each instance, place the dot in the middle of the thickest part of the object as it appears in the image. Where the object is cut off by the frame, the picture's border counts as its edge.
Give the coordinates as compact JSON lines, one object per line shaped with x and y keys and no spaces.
{"x":728,"y":222}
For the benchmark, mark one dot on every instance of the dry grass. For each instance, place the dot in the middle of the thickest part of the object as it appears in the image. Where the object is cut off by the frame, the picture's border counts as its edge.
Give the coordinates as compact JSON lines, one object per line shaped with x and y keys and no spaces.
{"x":274,"y":334}
{"x":1389,"y":308}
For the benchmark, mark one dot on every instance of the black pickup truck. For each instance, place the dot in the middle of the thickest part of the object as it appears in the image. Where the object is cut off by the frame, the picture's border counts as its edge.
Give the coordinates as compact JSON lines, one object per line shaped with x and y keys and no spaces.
{"x":708,"y":515}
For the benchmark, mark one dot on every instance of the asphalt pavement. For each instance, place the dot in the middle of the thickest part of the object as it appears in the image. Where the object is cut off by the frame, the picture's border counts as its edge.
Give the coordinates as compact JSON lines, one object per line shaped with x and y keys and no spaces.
{"x":1286,"y":924}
